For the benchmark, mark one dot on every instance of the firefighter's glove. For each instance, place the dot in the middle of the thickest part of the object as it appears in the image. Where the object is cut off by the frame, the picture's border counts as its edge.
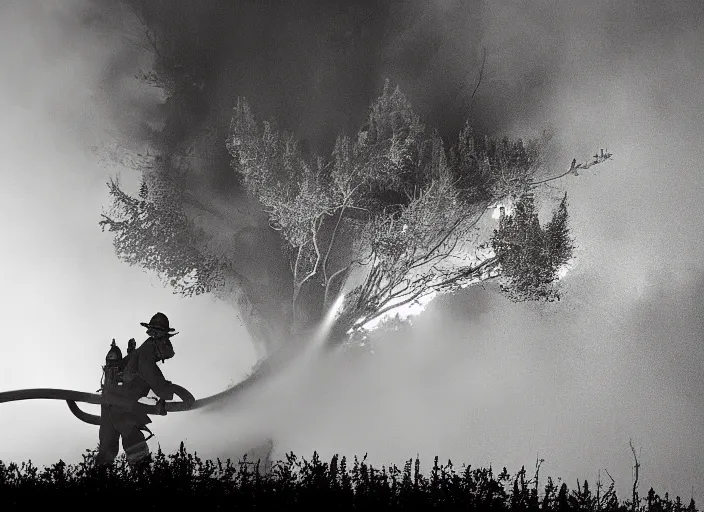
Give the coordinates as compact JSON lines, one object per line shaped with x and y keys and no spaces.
{"x":169,"y":390}
{"x":161,"y":407}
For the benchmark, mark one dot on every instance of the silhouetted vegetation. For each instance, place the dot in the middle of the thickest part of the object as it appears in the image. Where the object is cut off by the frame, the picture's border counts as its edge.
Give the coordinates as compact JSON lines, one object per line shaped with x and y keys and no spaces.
{"x":185,"y":480}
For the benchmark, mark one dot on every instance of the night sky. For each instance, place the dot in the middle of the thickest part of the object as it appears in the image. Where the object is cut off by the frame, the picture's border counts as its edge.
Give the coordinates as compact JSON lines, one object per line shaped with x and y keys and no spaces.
{"x":480,"y":380}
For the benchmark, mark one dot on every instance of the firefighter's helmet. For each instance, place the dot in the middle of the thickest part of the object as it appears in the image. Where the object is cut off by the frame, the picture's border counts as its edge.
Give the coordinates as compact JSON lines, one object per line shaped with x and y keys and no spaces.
{"x":159,"y":322}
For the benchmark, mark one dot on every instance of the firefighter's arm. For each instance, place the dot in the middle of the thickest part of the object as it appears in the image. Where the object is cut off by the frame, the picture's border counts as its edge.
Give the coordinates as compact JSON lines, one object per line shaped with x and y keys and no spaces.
{"x":151,"y":373}
{"x":161,"y":407}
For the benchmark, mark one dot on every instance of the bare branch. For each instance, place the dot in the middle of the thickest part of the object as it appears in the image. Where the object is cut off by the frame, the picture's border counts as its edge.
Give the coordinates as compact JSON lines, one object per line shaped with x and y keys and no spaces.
{"x":636,"y":467}
{"x":479,"y":81}
{"x":419,"y":293}
{"x":295,"y":266}
{"x":465,"y":274}
{"x":598,"y":158}
{"x":421,"y":261}
{"x":317,"y":252}
{"x":332,"y":241}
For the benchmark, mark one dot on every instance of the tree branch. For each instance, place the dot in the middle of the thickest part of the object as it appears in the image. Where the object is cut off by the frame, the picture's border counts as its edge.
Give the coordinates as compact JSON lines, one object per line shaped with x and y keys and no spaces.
{"x":573,"y":168}
{"x":416,"y":295}
{"x":426,"y":258}
{"x":464,"y":274}
{"x":332,"y":277}
{"x":314,"y":230}
{"x":479,"y":81}
{"x":295,"y":266}
{"x":332,"y":241}
{"x":636,"y":467}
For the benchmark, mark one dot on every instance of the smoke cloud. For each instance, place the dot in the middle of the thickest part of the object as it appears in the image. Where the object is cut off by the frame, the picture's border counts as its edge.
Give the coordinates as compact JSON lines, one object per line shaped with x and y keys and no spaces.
{"x":479,"y":380}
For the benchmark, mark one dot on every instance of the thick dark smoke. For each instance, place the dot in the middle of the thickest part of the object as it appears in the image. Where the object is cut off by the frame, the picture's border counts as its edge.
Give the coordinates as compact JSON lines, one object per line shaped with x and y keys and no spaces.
{"x":315,"y":66}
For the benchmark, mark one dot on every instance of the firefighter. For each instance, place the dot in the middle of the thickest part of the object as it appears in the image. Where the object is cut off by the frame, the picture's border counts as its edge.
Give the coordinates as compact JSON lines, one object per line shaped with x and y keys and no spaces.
{"x":140,"y":374}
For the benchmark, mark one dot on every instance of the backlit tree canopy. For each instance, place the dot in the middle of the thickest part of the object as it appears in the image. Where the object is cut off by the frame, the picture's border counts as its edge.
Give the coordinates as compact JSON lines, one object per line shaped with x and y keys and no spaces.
{"x":154,"y":232}
{"x":389,"y":218}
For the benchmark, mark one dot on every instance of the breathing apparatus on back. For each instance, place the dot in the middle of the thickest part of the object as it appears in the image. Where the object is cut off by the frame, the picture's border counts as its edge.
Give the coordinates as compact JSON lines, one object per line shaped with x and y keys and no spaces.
{"x":111,"y":371}
{"x":114,"y":366}
{"x":114,"y":376}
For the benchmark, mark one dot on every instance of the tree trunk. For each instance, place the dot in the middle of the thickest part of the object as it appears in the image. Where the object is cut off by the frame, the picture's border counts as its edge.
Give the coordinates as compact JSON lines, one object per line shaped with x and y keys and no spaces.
{"x":265,"y":331}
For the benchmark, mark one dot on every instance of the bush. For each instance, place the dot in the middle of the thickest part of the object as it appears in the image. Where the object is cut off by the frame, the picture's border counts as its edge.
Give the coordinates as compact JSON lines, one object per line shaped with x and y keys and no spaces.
{"x":185,"y":480}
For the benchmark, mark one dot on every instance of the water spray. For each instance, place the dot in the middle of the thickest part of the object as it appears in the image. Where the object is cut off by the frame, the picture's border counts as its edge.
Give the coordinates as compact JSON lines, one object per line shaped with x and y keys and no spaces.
{"x":329,"y":319}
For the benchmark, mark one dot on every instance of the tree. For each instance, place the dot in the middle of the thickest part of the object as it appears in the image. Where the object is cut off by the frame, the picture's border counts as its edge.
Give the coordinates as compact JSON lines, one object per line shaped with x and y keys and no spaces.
{"x":390,"y":217}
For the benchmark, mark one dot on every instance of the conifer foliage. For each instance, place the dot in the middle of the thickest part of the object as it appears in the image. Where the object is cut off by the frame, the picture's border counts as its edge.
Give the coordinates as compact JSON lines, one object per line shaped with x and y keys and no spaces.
{"x":530,"y":255}
{"x":152,"y":231}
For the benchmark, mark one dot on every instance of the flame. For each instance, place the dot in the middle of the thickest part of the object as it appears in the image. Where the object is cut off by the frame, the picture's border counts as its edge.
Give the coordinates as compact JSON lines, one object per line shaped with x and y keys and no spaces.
{"x":404,"y":311}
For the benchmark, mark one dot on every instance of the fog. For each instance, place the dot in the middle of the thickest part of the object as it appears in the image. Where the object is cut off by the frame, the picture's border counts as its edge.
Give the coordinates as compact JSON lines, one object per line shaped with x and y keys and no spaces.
{"x":480,"y":380}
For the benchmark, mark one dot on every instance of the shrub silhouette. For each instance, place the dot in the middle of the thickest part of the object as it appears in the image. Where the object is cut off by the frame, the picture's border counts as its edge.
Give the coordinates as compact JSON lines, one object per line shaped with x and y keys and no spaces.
{"x":185,"y":480}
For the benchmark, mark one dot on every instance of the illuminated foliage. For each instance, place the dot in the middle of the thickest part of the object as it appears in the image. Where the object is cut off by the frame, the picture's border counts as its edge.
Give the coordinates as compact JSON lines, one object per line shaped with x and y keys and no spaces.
{"x":530,"y":256}
{"x":408,"y":209}
{"x":154,"y":233}
{"x":389,"y":218}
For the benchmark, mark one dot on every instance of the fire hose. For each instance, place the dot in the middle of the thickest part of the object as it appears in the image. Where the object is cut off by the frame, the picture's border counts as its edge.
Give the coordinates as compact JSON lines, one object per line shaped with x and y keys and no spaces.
{"x":187,"y":403}
{"x":265,"y":368}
